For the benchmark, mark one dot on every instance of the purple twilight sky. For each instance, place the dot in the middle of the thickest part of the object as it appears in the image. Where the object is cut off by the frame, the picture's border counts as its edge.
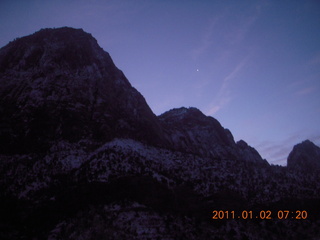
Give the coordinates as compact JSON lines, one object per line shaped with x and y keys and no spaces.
{"x":252,"y":65}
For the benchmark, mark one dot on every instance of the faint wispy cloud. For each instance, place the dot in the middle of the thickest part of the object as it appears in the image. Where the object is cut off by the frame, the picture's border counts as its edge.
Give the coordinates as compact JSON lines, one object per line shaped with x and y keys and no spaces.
{"x":222,"y":33}
{"x":305,"y":91}
{"x":235,"y":35}
{"x":277,"y":152}
{"x":315,"y":60}
{"x":241,"y":31}
{"x":305,"y":86}
{"x":206,"y":39}
{"x":224,"y":95}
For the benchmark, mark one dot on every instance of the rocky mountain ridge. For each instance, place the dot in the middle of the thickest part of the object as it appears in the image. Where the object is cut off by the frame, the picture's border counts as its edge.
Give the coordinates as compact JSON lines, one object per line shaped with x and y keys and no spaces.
{"x":84,"y":157}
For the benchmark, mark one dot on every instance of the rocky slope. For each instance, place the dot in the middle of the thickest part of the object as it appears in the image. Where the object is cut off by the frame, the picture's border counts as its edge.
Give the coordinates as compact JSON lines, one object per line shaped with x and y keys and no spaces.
{"x":83,"y":157}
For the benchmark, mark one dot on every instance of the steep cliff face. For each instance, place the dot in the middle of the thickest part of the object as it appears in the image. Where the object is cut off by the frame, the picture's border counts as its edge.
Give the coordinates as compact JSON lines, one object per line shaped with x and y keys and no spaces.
{"x":305,"y":156}
{"x":59,"y":84}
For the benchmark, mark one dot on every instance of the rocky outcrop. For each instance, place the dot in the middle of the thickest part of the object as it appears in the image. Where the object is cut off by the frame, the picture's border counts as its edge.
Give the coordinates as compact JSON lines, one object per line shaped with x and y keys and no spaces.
{"x":304,"y":156}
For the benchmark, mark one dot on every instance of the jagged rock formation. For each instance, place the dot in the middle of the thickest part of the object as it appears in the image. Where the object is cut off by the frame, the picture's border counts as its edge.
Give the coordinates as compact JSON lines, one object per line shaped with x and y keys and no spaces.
{"x":305,"y":156}
{"x":83,"y":157}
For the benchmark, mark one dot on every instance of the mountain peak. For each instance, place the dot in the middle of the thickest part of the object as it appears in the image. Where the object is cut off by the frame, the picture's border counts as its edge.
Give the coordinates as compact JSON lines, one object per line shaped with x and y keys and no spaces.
{"x":189,"y":130}
{"x":183,"y":112}
{"x":58,"y":33}
{"x":304,"y":156}
{"x":60,"y":84}
{"x":249,"y":154}
{"x":50,"y":49}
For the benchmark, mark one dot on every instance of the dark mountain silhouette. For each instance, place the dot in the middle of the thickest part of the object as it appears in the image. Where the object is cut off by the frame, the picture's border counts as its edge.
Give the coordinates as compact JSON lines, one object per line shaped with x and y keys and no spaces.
{"x":59,"y":84}
{"x":83,"y":157}
{"x":305,"y":156}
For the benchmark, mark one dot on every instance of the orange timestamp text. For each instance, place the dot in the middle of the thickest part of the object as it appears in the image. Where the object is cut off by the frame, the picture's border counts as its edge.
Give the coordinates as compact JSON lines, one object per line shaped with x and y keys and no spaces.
{"x":263,"y":214}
